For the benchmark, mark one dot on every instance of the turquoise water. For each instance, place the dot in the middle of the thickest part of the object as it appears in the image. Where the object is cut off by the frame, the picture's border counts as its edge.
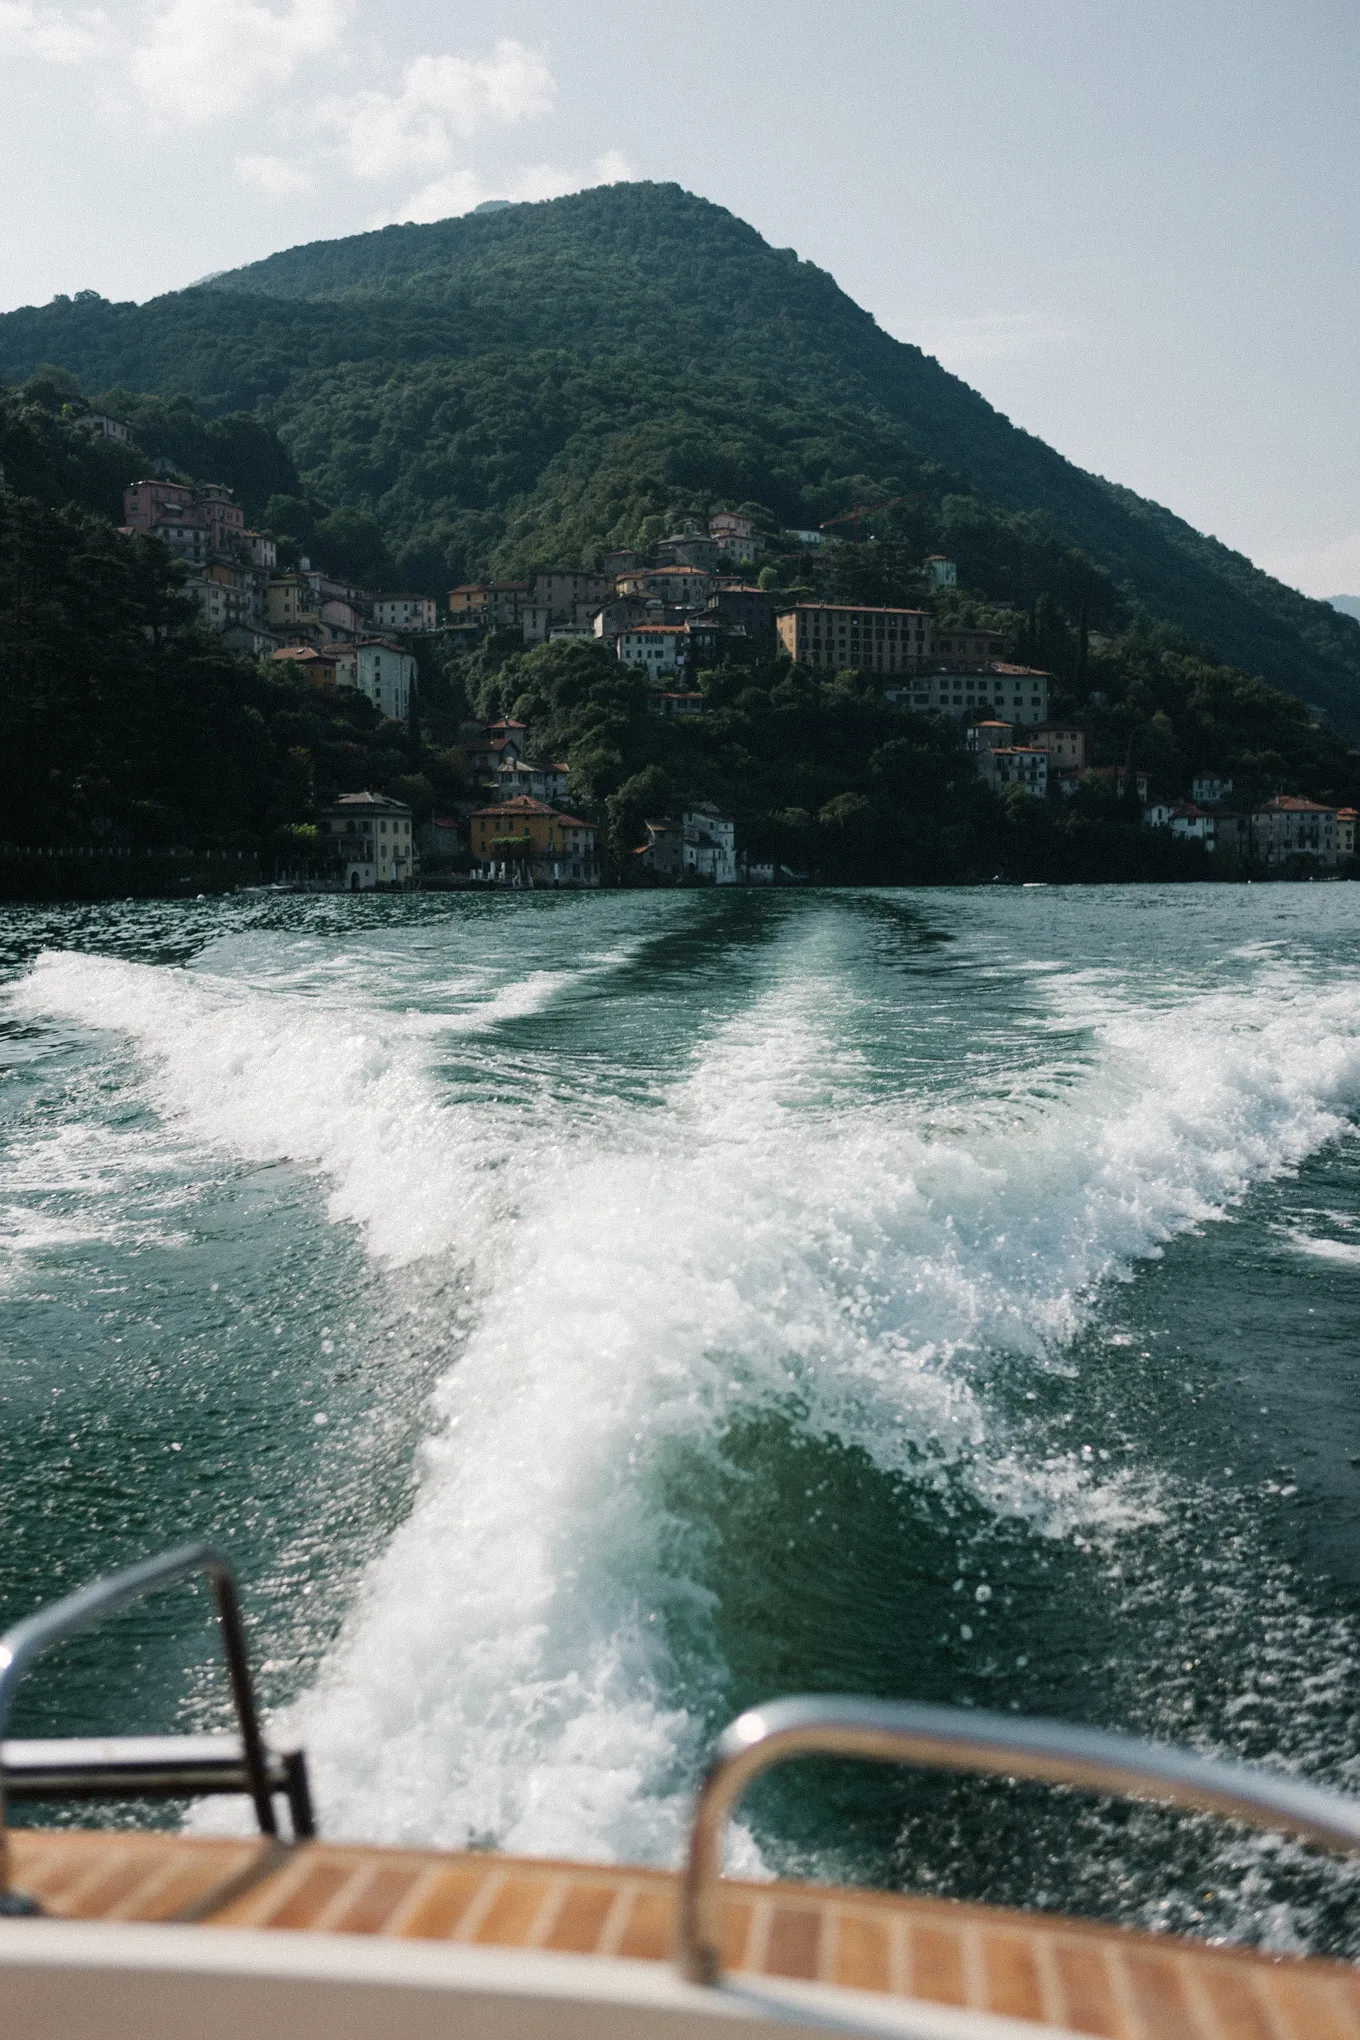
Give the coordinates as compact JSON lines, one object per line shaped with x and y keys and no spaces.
{"x":581,"y":1317}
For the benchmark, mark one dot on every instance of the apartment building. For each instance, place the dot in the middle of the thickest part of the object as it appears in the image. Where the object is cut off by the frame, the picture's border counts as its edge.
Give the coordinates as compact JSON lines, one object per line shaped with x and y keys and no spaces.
{"x":404,"y":612}
{"x":1291,"y":827}
{"x":371,"y":835}
{"x":656,"y":647}
{"x":832,"y":636}
{"x":1023,"y":765}
{"x":520,"y":839}
{"x":386,"y":674}
{"x":1065,"y":744}
{"x":735,"y":536}
{"x":686,"y":587}
{"x":1017,"y":694}
{"x":956,"y":645}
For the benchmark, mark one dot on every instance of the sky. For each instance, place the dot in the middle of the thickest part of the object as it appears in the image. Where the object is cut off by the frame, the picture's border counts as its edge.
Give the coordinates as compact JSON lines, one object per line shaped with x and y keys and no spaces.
{"x":1134,"y":227}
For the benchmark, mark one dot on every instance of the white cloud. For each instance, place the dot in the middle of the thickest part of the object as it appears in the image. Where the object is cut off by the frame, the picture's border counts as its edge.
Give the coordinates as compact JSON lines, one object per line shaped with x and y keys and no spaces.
{"x":205,"y":59}
{"x":461,"y":190}
{"x":55,"y":35}
{"x":275,"y":175}
{"x":387,"y":134}
{"x":1329,"y":570}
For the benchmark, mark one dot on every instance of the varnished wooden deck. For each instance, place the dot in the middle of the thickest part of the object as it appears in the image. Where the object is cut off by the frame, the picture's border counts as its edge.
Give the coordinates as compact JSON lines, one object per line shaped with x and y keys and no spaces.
{"x":1090,"y":1979}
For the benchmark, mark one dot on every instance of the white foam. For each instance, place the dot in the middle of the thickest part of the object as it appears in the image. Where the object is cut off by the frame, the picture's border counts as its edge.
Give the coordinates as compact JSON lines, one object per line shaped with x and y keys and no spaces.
{"x":1346,"y":1251}
{"x":787,"y":1233}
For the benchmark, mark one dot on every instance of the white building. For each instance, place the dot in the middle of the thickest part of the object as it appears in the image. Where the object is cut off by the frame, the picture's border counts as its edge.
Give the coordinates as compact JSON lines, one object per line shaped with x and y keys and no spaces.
{"x":404,"y":612}
{"x":710,"y":845}
{"x":104,"y":427}
{"x":940,"y":572}
{"x":735,"y":536}
{"x":656,"y":647}
{"x":386,"y":674}
{"x":1016,"y":694}
{"x":547,"y":783}
{"x":1208,"y":788}
{"x":372,"y":836}
{"x":1190,"y":824}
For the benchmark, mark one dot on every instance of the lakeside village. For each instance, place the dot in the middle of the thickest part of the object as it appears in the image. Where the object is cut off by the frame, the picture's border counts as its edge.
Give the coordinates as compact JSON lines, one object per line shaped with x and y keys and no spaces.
{"x":681,"y":607}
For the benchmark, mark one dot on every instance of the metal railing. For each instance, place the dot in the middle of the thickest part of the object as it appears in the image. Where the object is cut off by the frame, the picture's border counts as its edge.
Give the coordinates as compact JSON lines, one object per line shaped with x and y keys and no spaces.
{"x":948,"y":1738}
{"x":143,"y":1766}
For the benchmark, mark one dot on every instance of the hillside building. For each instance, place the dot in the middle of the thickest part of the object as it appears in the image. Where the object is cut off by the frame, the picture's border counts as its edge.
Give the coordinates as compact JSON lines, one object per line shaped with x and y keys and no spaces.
{"x":1018,"y":694}
{"x":740,"y":606}
{"x":371,"y":835}
{"x":515,"y":775}
{"x":656,"y":647}
{"x":1023,"y":765}
{"x":198,"y":522}
{"x":524,"y":841}
{"x":833,"y":636}
{"x":735,"y":536}
{"x":102,"y":426}
{"x":989,"y":736}
{"x":710,"y":845}
{"x":699,"y":847}
{"x":940,"y":572}
{"x":569,"y":596}
{"x":1190,"y":824}
{"x":688,"y":548}
{"x":404,"y":612}
{"x":1291,"y":827}
{"x":386,"y":674}
{"x":686,"y":587}
{"x":966,"y":648}
{"x":1065,"y":744}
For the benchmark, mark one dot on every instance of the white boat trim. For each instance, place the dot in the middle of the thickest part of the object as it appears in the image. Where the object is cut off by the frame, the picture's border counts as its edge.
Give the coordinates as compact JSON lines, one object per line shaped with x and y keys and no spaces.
{"x":81,"y":1980}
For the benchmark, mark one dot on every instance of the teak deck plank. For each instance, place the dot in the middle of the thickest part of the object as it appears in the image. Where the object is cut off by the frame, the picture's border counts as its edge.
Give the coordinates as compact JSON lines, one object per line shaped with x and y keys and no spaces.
{"x":1093,"y":1979}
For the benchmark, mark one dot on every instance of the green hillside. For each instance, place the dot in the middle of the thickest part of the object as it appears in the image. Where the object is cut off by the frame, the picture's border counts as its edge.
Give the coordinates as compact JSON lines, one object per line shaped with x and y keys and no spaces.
{"x":522,"y":387}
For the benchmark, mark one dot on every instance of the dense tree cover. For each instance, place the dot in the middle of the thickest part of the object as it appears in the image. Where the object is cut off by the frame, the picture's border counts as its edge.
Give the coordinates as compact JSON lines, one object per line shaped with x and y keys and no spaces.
{"x":821,"y":774}
{"x":48,"y":459}
{"x":237,"y":448}
{"x":47,"y":455}
{"x":122,"y":723}
{"x":520,"y":388}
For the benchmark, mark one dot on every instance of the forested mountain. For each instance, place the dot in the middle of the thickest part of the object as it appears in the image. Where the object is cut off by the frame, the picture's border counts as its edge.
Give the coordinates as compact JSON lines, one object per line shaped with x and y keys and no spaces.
{"x":522,"y":387}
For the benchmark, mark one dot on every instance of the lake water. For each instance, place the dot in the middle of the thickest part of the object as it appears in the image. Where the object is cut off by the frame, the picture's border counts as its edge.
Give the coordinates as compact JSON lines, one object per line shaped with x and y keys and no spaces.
{"x":581,"y":1317}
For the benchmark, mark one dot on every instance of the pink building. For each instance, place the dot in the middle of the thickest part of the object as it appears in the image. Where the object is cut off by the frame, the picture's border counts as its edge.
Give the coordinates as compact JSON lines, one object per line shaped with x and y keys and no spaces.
{"x":196,"y":523}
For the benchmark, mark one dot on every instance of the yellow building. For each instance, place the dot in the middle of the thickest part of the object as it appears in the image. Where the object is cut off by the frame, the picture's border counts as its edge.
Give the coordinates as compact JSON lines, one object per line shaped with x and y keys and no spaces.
{"x":291,"y":602}
{"x":523,"y":836}
{"x":468,"y":604}
{"x":832,"y":636}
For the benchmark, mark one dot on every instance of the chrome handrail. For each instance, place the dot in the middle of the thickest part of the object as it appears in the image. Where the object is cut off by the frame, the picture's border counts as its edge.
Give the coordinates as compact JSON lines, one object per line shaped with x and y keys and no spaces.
{"x":952,"y":1739}
{"x":36,"y":1633}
